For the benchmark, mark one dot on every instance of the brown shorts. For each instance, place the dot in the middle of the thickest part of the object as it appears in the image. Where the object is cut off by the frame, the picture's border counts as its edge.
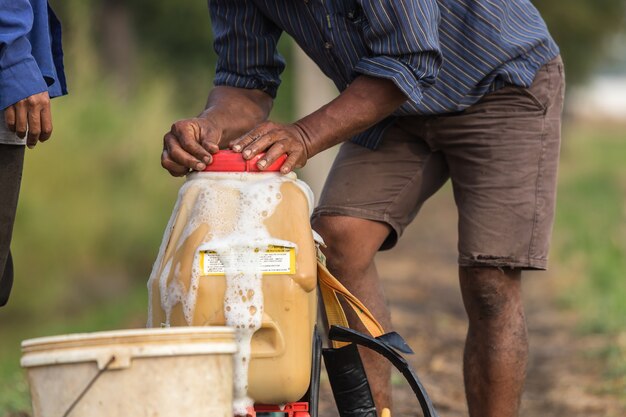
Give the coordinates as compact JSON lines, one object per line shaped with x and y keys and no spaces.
{"x":501,"y":155}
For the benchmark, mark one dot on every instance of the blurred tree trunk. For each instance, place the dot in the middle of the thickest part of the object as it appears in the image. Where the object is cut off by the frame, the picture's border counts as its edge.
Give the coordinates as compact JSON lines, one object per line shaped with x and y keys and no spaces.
{"x":313,"y":90}
{"x":118,"y":44}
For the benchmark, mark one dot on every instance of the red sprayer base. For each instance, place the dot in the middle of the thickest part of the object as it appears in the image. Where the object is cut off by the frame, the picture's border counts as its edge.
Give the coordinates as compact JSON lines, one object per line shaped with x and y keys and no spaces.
{"x":289,"y":409}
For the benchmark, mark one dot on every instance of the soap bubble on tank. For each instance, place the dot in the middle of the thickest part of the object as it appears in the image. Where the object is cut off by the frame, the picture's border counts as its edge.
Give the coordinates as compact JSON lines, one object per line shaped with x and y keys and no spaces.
{"x":243,"y":310}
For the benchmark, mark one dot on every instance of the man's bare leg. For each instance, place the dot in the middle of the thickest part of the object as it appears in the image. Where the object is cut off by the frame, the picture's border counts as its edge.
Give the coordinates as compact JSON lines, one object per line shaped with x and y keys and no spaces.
{"x":496,"y":349}
{"x":352,"y":244}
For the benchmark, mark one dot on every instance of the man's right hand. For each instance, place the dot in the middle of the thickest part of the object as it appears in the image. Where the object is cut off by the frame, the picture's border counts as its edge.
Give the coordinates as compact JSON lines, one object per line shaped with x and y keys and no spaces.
{"x":230,"y":112}
{"x":189,"y":145}
{"x":30,"y":115}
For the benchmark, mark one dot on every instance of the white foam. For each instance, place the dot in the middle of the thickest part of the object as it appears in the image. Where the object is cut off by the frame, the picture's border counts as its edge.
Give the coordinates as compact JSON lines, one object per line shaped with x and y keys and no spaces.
{"x":259,"y":194}
{"x":159,"y":260}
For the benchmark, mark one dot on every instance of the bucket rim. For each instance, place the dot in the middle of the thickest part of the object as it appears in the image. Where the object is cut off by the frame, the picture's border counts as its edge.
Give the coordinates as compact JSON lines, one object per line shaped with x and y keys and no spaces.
{"x":189,"y":334}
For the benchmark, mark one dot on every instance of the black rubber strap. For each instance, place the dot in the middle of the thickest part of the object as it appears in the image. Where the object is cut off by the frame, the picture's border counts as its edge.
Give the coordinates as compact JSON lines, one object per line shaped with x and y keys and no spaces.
{"x":349,"y":382}
{"x":344,"y":334}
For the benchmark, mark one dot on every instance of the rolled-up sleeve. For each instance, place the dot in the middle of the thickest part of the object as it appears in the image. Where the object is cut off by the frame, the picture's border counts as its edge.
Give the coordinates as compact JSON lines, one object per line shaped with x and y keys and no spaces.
{"x":20,"y":76}
{"x":245,"y":42}
{"x":404,"y":43}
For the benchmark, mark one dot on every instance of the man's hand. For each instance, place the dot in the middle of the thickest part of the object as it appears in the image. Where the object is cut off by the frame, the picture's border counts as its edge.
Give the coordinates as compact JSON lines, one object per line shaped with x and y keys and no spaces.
{"x":229,"y":113}
{"x":365,"y":102}
{"x":33,"y":115}
{"x":189,"y":145}
{"x":276,"y":139}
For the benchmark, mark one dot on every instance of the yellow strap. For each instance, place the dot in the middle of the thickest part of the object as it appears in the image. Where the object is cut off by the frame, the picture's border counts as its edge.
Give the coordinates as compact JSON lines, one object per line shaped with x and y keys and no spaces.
{"x":330,"y":287}
{"x":385,"y":413}
{"x":334,"y":312}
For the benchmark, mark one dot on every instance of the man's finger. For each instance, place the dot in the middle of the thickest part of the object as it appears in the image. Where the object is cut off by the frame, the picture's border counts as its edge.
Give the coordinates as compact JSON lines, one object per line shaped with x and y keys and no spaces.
{"x":188,"y":135}
{"x":9,"y":118}
{"x":46,"y":124}
{"x":21,"y":119}
{"x":174,"y":169}
{"x":34,"y":127}
{"x":292,"y":162}
{"x":241,"y":143}
{"x":180,"y":155}
{"x":212,"y":147}
{"x":238,"y":145}
{"x":209,"y":138}
{"x":262,"y":143}
{"x":274,"y":151}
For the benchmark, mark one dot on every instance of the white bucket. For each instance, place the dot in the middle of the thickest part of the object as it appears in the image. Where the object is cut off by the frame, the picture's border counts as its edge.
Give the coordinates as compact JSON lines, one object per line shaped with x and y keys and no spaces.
{"x":184,"y":371}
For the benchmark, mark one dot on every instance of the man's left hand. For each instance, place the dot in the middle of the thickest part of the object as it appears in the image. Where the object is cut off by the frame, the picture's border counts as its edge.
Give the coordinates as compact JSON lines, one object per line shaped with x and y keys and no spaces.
{"x":274,"y":139}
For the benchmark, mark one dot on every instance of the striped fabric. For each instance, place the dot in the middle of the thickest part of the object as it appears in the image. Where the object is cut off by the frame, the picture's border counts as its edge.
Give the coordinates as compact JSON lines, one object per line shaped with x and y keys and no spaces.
{"x":443,"y":54}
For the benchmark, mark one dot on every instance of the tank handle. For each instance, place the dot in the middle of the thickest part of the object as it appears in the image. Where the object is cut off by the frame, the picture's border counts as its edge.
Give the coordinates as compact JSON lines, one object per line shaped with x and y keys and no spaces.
{"x":270,"y":325}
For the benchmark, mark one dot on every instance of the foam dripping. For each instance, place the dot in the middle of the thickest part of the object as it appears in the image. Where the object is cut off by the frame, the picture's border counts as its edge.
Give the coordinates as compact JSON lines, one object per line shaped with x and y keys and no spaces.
{"x":258,"y":195}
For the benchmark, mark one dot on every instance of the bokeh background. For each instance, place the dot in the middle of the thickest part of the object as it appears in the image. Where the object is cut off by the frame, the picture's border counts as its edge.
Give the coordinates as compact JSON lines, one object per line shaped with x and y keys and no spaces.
{"x":95,"y":201}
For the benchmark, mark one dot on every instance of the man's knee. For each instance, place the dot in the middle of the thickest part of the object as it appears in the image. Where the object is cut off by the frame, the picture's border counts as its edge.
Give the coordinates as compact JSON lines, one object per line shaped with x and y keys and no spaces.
{"x":350,"y":240}
{"x":490,"y":293}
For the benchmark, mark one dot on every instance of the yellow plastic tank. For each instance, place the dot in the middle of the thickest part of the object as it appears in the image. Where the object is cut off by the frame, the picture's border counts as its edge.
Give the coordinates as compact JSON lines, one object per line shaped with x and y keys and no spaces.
{"x":239,"y":251}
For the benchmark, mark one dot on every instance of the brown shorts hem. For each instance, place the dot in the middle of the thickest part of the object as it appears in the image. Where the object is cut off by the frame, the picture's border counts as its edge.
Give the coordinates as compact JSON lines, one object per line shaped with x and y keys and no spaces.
{"x":502,"y":262}
{"x":396,"y":228}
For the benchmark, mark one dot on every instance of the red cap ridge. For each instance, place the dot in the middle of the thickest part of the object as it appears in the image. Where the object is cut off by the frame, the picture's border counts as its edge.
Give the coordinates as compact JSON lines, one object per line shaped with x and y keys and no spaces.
{"x":229,"y":161}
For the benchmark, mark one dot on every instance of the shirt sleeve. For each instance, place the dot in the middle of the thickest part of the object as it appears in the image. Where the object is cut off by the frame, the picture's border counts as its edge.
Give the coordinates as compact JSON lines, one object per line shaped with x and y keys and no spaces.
{"x":20,"y":76}
{"x":245,"y":42}
{"x":404,"y":43}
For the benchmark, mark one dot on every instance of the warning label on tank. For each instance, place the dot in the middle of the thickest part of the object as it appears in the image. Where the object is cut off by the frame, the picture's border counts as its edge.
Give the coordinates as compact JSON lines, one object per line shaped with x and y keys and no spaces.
{"x":275,"y":260}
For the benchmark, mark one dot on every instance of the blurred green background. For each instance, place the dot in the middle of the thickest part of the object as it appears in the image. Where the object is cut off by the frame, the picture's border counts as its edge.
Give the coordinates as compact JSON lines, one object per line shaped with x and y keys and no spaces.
{"x":95,"y":200}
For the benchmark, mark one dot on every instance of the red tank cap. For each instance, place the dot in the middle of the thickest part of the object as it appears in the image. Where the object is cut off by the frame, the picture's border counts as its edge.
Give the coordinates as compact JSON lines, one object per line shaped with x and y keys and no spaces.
{"x":229,"y":161}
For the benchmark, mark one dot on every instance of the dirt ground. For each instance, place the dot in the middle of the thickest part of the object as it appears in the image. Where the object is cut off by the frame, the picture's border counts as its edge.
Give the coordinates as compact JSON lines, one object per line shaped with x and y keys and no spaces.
{"x":420,"y":278}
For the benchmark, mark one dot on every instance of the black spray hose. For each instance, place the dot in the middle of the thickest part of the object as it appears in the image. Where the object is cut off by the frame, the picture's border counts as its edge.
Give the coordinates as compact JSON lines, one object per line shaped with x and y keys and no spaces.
{"x":344,"y":334}
{"x":316,"y":367}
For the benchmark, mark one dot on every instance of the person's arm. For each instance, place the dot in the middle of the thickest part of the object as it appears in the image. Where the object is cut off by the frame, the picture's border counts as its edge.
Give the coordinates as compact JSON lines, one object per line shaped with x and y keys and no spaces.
{"x":405,"y":60}
{"x":230,"y":112}
{"x":364,"y":103}
{"x":23,"y":90}
{"x":246,"y":80}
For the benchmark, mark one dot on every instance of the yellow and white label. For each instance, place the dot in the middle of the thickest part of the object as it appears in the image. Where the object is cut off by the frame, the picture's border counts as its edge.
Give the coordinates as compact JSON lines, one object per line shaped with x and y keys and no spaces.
{"x":276,"y":260}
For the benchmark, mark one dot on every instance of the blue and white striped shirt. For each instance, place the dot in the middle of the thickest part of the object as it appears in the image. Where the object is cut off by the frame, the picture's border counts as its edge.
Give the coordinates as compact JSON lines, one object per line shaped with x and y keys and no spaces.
{"x":443,"y":54}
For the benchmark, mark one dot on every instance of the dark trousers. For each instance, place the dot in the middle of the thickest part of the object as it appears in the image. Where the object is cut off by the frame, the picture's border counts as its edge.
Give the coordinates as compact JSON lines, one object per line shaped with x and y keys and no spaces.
{"x":11,"y":164}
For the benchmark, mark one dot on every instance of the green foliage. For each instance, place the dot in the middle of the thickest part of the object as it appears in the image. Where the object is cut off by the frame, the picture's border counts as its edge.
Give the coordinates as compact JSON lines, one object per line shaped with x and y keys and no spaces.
{"x":14,"y":396}
{"x":129,"y":43}
{"x":95,"y":201}
{"x":92,"y":201}
{"x":591,"y":224}
{"x":175,"y":39}
{"x":175,"y":42}
{"x":583,"y":28}
{"x":92,"y":211}
{"x":180,"y":35}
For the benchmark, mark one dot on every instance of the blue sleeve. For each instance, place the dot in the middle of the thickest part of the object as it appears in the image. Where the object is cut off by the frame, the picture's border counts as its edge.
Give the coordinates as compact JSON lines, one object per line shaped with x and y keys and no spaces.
{"x":404,"y":43}
{"x":19,"y":73}
{"x":245,"y":42}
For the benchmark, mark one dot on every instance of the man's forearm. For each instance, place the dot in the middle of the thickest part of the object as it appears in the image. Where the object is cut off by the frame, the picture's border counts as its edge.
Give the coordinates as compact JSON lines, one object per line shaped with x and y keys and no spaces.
{"x":365,"y":102}
{"x":237,"y":110}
